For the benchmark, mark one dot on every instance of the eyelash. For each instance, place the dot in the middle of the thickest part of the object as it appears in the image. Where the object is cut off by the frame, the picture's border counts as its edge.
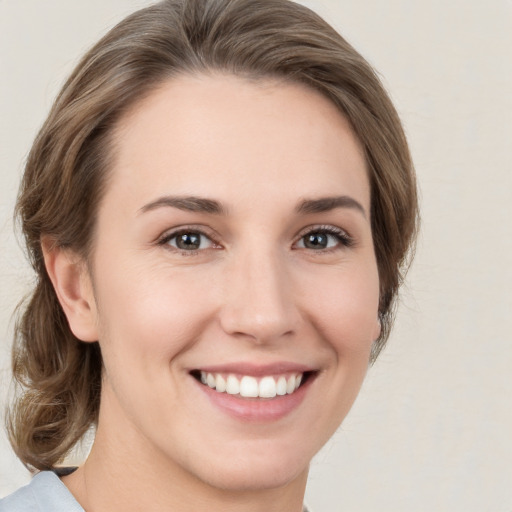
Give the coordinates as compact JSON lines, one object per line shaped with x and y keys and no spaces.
{"x":343,"y":238}
{"x":166,"y":238}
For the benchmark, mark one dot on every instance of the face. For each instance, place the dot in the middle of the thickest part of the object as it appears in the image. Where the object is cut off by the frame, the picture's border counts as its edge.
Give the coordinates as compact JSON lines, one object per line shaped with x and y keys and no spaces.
{"x":234,"y":277}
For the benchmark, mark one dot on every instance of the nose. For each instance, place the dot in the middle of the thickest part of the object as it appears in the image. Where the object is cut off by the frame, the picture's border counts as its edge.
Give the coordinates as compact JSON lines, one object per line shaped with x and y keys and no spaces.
{"x":258,"y":302}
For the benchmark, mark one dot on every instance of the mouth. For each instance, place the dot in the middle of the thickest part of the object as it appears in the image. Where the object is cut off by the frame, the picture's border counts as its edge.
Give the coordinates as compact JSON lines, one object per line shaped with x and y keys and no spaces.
{"x":255,"y":387}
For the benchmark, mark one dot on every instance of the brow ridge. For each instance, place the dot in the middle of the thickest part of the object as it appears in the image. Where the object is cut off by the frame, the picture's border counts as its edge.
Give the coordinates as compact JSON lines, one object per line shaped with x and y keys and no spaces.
{"x":186,"y":203}
{"x":212,"y":206}
{"x":325,"y":204}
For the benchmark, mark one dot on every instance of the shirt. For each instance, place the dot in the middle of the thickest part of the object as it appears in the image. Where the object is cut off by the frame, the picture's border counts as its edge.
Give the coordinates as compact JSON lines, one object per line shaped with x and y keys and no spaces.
{"x":45,"y":493}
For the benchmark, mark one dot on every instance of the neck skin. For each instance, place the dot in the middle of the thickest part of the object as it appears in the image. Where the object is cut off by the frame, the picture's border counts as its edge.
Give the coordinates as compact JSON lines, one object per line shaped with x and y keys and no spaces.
{"x":124,"y":473}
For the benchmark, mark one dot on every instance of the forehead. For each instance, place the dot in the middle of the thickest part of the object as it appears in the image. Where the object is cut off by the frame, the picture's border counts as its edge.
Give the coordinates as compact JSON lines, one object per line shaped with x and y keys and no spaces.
{"x":222,"y":135}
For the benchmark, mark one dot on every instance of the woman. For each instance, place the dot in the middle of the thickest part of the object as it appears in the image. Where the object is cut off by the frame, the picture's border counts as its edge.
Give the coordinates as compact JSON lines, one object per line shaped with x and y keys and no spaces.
{"x":219,"y":209}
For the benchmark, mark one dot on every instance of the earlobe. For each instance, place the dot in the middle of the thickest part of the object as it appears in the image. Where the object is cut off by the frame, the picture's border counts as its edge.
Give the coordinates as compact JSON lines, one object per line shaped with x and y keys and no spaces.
{"x":71,"y":281}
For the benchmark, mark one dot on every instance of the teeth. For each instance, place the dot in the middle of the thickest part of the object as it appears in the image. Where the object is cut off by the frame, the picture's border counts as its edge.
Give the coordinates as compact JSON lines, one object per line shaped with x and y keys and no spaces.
{"x":210,"y":380}
{"x":250,"y":387}
{"x":290,"y":385}
{"x":267,"y":387}
{"x":281,"y":386}
{"x":232,"y":385}
{"x":220,"y":383}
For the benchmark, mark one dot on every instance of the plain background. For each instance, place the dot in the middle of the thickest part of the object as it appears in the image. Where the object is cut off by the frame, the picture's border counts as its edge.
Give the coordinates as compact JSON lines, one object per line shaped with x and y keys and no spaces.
{"x":432,"y":428}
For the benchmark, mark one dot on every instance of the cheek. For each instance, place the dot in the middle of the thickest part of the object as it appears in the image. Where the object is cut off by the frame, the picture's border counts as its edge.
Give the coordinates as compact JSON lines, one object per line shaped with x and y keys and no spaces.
{"x":345,"y":307}
{"x":152,"y":314}
{"x":146,"y":322}
{"x":344,"y":312}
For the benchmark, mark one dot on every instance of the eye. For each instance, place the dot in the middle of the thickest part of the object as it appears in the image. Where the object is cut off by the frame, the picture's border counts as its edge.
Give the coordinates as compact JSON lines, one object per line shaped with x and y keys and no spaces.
{"x":324,"y":238}
{"x":188,"y":240}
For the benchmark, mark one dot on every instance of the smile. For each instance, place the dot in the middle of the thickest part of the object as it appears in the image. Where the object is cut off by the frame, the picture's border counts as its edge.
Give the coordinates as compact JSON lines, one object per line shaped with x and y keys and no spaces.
{"x":256,"y":393}
{"x":247,"y":386}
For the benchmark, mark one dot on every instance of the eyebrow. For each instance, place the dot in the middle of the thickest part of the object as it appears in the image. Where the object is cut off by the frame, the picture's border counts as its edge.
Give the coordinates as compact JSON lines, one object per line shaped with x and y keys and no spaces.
{"x":325,"y":204}
{"x":189,"y":204}
{"x":211,"y":206}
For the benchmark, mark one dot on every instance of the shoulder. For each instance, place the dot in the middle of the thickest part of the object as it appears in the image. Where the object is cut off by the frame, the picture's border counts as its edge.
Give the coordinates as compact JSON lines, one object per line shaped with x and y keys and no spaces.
{"x":45,"y":493}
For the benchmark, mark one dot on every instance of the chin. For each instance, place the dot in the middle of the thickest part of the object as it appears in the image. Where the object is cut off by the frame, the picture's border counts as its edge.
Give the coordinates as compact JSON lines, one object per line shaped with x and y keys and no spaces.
{"x":253,"y":478}
{"x":254,"y":471}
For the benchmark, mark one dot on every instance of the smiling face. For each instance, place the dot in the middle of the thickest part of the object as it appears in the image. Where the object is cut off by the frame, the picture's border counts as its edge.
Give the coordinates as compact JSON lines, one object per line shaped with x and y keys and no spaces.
{"x":233,"y":256}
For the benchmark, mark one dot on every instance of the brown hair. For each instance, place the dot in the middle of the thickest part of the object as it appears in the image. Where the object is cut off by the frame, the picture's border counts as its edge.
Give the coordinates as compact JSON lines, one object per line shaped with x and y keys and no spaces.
{"x":66,"y":172}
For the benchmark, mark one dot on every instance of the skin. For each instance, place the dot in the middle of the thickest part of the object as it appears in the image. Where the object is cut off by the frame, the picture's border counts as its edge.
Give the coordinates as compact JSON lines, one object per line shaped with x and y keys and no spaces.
{"x":252,"y":292}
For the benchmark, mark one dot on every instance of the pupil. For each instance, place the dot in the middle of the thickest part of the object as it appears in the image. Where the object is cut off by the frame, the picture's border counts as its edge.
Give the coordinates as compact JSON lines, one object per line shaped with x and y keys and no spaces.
{"x":188,"y":241}
{"x":316,"y":241}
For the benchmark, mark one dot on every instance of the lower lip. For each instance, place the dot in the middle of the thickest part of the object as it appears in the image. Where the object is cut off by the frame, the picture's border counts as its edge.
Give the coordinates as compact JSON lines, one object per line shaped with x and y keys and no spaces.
{"x":257,"y":409}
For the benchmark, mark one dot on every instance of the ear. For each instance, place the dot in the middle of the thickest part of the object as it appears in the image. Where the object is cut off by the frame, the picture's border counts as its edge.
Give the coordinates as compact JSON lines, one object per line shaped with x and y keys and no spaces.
{"x":72,"y":283}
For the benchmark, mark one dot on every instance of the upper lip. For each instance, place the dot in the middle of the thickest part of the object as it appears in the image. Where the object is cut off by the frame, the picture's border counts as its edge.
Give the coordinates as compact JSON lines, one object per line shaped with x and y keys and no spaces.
{"x":257,"y":370}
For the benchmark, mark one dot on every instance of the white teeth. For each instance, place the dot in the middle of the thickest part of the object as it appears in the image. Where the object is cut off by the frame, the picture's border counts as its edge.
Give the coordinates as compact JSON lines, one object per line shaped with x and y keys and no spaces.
{"x":290,"y":385}
{"x":220,"y":383}
{"x":267,"y":387}
{"x":249,"y":387}
{"x":281,"y":386}
{"x":232,"y":385}
{"x":210,"y":380}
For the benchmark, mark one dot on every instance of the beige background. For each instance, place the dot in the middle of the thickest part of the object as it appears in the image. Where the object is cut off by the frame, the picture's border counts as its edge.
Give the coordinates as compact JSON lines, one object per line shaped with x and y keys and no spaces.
{"x":432,"y":428}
